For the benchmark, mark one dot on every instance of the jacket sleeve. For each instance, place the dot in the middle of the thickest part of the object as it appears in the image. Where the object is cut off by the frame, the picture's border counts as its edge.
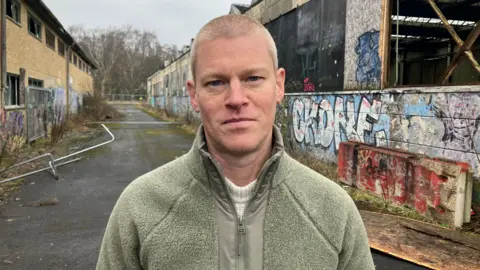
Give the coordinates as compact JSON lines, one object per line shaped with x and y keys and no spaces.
{"x":355,"y":253}
{"x":120,"y":246}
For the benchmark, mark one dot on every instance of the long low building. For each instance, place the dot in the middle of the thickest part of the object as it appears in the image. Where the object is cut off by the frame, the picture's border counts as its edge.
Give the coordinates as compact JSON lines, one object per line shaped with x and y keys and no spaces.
{"x":41,"y":62}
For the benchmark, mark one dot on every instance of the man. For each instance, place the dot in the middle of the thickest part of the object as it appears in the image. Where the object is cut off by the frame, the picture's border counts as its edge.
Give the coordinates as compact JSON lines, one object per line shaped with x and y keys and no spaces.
{"x":236,"y":200}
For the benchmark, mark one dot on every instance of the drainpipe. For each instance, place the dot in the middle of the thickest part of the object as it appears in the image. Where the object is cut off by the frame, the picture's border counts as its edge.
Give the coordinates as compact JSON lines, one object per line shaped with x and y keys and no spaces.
{"x":3,"y":22}
{"x":67,"y":85}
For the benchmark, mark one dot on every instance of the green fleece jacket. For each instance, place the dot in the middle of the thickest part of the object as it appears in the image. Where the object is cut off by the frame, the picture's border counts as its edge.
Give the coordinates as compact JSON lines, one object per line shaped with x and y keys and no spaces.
{"x":179,"y":216}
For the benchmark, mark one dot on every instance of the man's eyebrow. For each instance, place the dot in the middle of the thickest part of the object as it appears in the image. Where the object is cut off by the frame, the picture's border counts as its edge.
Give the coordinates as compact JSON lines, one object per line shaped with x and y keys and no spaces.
{"x":212,"y":74}
{"x":253,"y":70}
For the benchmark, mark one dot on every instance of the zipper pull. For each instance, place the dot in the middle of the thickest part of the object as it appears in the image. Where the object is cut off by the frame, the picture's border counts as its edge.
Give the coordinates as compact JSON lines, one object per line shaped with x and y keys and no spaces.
{"x":241,"y":228}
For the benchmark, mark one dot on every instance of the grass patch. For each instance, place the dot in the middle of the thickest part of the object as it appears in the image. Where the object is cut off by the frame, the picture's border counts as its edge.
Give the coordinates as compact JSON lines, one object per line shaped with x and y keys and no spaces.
{"x":8,"y":188}
{"x":190,"y":124}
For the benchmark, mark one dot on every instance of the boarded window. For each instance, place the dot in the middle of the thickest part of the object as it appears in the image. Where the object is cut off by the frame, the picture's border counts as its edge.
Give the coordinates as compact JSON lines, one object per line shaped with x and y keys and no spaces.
{"x":13,"y":10}
{"x":34,"y":27}
{"x":61,"y":47}
{"x":50,"y":38}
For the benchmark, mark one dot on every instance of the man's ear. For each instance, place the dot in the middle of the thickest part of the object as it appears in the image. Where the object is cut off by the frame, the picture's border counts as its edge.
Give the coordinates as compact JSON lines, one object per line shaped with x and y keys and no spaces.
{"x":280,"y":81}
{"x":193,"y":95}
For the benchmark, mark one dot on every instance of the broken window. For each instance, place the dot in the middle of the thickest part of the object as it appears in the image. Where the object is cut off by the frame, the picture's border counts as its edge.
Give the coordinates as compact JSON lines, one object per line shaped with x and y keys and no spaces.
{"x":35,"y":82}
{"x":13,"y":10}
{"x":12,"y":92}
{"x":426,"y":37}
{"x":34,"y":27}
{"x":50,"y":39}
{"x":61,"y":47}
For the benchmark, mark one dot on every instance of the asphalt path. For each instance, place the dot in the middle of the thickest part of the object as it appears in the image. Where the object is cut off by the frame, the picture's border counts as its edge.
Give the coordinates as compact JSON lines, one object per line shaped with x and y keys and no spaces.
{"x":68,"y":235}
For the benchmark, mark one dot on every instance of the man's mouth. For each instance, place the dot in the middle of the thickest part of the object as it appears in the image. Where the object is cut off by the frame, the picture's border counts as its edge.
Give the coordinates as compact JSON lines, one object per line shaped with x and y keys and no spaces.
{"x":237,"y":120}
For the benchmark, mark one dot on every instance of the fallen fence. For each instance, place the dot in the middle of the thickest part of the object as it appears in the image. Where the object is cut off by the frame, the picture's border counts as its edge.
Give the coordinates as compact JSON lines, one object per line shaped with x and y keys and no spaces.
{"x":52,"y":164}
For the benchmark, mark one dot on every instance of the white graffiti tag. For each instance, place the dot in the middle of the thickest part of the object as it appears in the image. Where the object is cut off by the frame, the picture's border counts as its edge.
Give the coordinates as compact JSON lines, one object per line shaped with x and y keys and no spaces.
{"x":319,"y":124}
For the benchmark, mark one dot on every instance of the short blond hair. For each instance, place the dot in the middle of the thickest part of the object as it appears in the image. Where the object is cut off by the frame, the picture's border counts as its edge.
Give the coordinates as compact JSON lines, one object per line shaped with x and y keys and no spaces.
{"x":230,"y":26}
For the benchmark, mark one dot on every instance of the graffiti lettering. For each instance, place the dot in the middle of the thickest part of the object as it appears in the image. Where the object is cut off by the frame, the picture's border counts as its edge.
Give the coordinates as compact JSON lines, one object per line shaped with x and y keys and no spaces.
{"x":319,"y":123}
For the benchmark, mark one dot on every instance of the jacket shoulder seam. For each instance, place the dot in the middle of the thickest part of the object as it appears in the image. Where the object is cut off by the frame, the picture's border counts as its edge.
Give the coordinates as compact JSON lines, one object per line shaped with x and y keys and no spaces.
{"x":307,"y":214}
{"x":181,"y":195}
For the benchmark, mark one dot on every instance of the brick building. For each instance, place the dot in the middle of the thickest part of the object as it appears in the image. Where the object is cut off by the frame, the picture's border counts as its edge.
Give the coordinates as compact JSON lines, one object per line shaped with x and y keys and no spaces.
{"x":40,"y":54}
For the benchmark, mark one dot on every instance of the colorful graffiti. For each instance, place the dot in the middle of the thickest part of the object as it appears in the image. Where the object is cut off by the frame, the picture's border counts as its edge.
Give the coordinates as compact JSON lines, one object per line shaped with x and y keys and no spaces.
{"x":326,"y":121}
{"x":440,"y":124}
{"x":368,"y":61}
{"x":15,"y":123}
{"x":427,"y":185}
{"x":437,"y":124}
{"x":12,"y":128}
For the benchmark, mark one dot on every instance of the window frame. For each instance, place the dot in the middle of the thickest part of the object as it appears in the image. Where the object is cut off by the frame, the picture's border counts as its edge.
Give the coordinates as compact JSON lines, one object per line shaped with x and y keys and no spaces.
{"x":18,"y":4}
{"x":30,"y":16}
{"x":59,"y":41}
{"x":34,"y":80}
{"x":54,"y":48}
{"x":9,"y":89}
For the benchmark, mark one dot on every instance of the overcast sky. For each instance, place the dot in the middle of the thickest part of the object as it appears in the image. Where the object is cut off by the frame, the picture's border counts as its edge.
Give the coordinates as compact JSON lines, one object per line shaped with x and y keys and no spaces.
{"x":174,"y":21}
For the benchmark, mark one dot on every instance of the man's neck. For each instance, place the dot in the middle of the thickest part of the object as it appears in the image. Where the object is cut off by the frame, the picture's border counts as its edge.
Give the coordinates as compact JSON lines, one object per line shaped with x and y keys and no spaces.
{"x":245,"y":169}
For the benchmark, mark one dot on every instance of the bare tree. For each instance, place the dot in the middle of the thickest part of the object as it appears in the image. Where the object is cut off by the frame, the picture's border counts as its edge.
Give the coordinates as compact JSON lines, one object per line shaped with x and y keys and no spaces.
{"x":125,"y":57}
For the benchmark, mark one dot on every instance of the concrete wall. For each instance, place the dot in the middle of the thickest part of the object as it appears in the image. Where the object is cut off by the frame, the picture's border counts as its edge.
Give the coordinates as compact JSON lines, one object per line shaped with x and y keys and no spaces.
{"x":438,"y":121}
{"x":362,"y":35}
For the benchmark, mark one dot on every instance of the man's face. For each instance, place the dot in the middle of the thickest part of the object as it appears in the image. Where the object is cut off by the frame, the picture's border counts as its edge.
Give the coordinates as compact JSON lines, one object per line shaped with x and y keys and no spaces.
{"x":236,"y":90}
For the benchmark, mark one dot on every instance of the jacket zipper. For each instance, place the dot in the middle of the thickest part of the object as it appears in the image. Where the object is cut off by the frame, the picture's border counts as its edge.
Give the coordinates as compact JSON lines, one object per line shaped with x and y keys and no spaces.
{"x":241,"y":236}
{"x":241,"y":244}
{"x":241,"y":229}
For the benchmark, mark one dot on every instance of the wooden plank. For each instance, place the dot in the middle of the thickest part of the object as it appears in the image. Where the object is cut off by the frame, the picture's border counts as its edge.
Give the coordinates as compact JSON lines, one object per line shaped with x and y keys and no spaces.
{"x":444,"y":20}
{"x":454,"y":35}
{"x":466,"y":47}
{"x":385,"y":42}
{"x":422,"y":243}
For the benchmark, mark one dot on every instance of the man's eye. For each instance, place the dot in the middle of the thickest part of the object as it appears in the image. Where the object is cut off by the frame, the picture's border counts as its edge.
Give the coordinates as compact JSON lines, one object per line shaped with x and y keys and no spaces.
{"x":215,"y":83}
{"x":253,"y":78}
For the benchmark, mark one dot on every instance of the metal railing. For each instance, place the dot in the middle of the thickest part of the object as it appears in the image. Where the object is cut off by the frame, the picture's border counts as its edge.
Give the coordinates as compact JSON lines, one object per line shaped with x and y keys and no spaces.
{"x":126,"y":98}
{"x":52,"y":163}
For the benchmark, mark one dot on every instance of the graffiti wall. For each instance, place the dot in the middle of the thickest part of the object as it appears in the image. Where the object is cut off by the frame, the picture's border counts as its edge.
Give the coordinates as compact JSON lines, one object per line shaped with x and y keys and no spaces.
{"x":12,"y":128}
{"x":311,"y":45}
{"x":439,"y":122}
{"x":177,"y":105}
{"x":362,"y":36}
{"x":58,"y":112}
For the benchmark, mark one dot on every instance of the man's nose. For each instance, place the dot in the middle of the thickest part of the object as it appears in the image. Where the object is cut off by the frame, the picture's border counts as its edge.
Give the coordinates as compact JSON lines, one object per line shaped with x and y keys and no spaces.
{"x":236,"y":96}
